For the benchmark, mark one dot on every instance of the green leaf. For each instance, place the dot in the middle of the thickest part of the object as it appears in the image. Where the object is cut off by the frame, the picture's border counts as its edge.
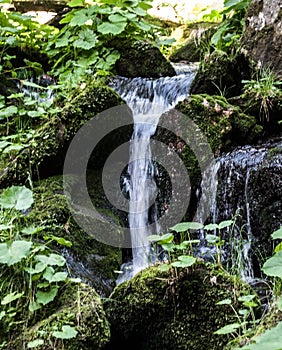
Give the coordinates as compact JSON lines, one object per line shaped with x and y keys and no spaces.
{"x":5,"y":227}
{"x":246,"y":298}
{"x":161,"y":239}
{"x":273,"y":266}
{"x":67,"y":332}
{"x":39,"y":267}
{"x":59,"y":240}
{"x":8,"y":112}
{"x":11,"y":297}
{"x":184,"y":226}
{"x":278,"y":247}
{"x":12,"y":254}
{"x":230,"y":328}
{"x":111,"y":28}
{"x":86,"y":40}
{"x":212,"y":239}
{"x":46,"y":297}
{"x":51,"y":260}
{"x":164,"y":267}
{"x":32,"y":230}
{"x":211,"y":227}
{"x":14,"y":147}
{"x":184,"y":261}
{"x":225,"y":224}
{"x":17,"y":197}
{"x":271,"y":339}
{"x":76,"y":3}
{"x":35,"y":343}
{"x":51,"y":276}
{"x":277,"y":234}
{"x":115,"y":18}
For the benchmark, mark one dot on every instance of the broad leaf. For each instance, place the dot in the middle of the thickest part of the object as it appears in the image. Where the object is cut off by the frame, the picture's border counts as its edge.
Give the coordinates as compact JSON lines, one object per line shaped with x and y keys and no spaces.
{"x":273,"y":266}
{"x":67,"y":332}
{"x":12,"y":254}
{"x":51,"y":260}
{"x":277,"y":234}
{"x":230,"y":328}
{"x":46,"y":297}
{"x":211,"y":227}
{"x":35,"y":343}
{"x":111,"y":28}
{"x":184,"y":261}
{"x":225,"y":224}
{"x":17,"y":197}
{"x":184,"y":226}
{"x":271,"y":339}
{"x":11,"y":297}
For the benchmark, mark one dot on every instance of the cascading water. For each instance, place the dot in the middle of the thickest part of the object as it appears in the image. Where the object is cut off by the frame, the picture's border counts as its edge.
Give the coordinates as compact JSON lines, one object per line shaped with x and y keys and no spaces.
{"x":239,"y":172}
{"x":148,"y":100}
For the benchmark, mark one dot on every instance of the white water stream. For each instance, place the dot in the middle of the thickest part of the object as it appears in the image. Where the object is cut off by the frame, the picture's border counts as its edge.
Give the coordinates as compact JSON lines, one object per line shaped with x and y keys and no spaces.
{"x":148,"y":100}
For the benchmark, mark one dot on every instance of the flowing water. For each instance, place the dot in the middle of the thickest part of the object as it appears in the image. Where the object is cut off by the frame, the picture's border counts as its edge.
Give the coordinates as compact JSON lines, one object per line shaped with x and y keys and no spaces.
{"x":148,"y":100}
{"x":240,"y":174}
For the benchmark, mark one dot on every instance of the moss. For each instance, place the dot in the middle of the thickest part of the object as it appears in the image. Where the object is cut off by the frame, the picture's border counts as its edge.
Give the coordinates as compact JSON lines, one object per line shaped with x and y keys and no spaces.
{"x":45,"y":154}
{"x":81,"y":308}
{"x":223,"y":124}
{"x":87,"y":258}
{"x":155,"y":310}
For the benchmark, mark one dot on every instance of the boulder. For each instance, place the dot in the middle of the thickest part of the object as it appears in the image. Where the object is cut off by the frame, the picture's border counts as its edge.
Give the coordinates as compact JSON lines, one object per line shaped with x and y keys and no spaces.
{"x":172,"y":311}
{"x":262,"y":37}
{"x":142,"y":59}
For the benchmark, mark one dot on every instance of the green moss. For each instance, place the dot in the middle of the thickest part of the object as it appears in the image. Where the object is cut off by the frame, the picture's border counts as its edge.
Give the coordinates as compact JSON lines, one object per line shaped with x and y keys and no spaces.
{"x":51,"y":210}
{"x":155,"y":310}
{"x":80,"y":308}
{"x":52,"y":137}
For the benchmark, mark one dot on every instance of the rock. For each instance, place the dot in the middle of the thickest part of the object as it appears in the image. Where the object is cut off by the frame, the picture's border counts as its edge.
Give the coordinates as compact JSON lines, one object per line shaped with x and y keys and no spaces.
{"x":262,"y":37}
{"x":44,"y":154}
{"x":142,"y":59}
{"x":162,"y":310}
{"x":87,"y":258}
{"x":220,"y":74}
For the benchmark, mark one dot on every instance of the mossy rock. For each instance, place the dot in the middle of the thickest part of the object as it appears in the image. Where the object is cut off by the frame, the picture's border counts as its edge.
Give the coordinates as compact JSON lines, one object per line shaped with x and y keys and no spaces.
{"x":88,"y":258}
{"x":81,"y":308}
{"x":159,"y":310}
{"x":142,"y":59}
{"x":45,"y":153}
{"x":220,"y":74}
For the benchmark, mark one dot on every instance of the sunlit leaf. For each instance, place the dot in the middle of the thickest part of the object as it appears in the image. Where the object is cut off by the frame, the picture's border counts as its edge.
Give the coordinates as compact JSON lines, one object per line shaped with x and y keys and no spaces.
{"x":67,"y":332}
{"x":11,"y":297}
{"x":230,"y":328}
{"x":111,"y":28}
{"x":17,"y":197}
{"x":46,"y":297}
{"x":273,"y":266}
{"x":12,"y":254}
{"x":35,"y":343}
{"x":277,"y":234}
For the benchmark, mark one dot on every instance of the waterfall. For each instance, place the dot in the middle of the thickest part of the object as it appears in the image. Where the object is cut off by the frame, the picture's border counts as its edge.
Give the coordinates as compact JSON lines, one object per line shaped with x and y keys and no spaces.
{"x":148,"y":100}
{"x":239,"y":173}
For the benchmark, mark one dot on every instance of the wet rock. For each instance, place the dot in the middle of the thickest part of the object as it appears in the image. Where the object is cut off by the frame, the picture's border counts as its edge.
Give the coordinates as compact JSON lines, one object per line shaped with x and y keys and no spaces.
{"x":142,"y":59}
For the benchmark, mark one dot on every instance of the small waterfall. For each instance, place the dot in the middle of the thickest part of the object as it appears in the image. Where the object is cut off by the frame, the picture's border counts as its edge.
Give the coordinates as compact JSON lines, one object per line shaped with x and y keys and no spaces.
{"x":237,"y":196}
{"x":148,"y":100}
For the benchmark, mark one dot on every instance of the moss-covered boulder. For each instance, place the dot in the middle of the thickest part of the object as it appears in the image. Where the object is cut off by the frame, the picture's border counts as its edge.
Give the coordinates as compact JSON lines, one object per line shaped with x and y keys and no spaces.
{"x":159,"y":310}
{"x":220,"y":74}
{"x":87,"y":258}
{"x":78,"y":323}
{"x":223,"y":124}
{"x":44,"y":151}
{"x":142,"y":59}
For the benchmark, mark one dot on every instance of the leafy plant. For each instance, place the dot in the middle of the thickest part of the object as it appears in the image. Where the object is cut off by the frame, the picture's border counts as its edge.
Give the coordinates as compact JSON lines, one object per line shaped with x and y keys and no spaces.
{"x":262,"y":90}
{"x":31,"y":273}
{"x":85,"y":45}
{"x":245,"y":315}
{"x":231,"y":28}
